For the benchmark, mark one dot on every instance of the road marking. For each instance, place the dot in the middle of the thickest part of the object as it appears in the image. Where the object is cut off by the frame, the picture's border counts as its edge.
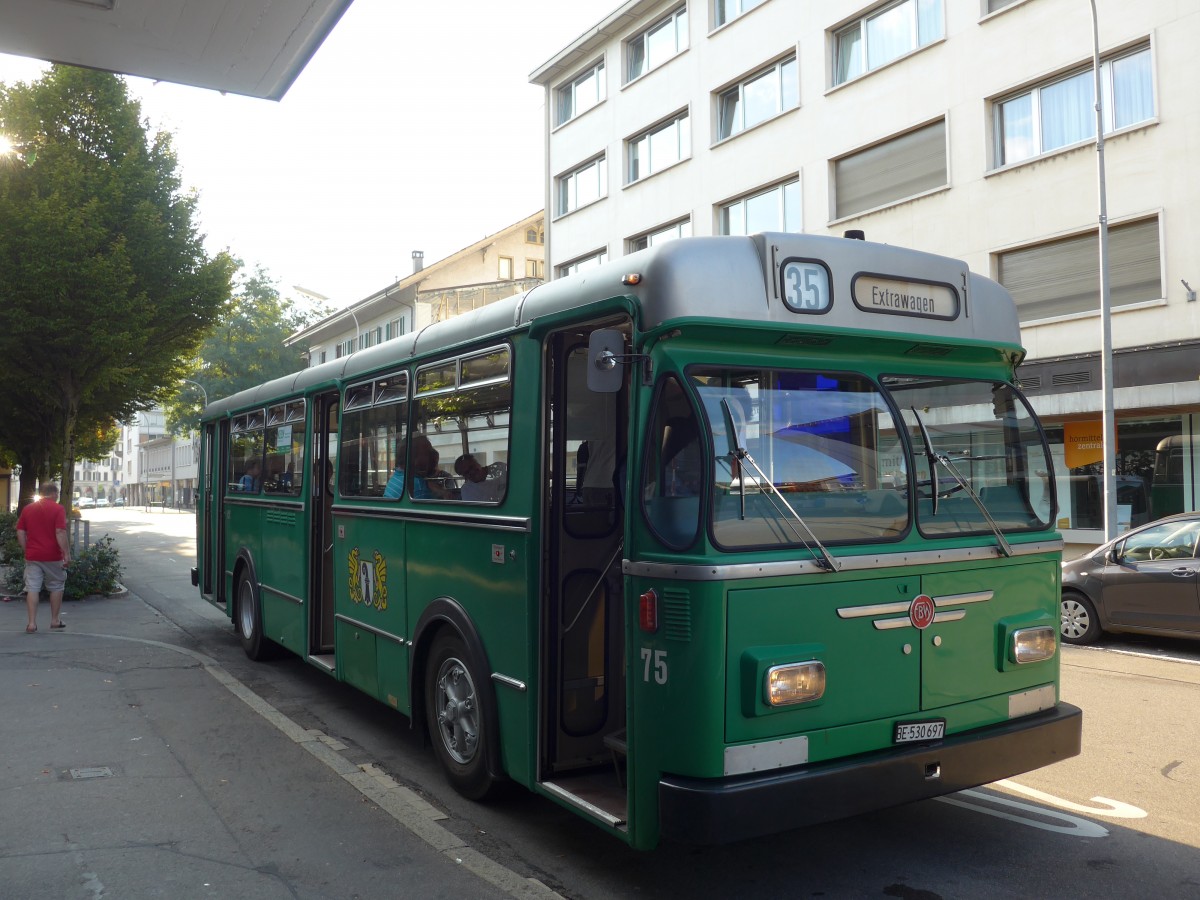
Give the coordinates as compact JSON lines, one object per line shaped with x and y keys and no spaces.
{"x":402,"y":804}
{"x":1162,"y":656}
{"x":1071,"y":825}
{"x":1113,"y":809}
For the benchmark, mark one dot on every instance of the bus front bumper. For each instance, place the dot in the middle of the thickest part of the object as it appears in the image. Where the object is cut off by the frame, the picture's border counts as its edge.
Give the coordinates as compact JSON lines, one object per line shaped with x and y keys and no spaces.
{"x":715,"y":811}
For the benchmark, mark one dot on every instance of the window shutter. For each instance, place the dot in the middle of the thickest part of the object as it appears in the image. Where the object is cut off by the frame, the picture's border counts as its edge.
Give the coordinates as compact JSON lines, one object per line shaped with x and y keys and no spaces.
{"x":902,"y":167}
{"x":1063,"y":277}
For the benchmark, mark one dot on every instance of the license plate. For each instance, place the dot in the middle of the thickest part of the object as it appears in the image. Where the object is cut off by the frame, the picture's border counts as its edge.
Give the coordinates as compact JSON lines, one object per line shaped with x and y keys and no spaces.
{"x":929,"y":730}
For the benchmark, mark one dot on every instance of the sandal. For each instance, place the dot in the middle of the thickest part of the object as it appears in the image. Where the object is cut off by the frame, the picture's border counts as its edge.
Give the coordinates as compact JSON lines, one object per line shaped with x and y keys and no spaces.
{"x":60,"y":625}
{"x":29,"y":630}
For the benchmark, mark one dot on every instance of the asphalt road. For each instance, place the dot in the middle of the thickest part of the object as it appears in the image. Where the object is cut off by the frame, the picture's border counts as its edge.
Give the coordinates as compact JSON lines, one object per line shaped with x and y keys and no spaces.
{"x":1121,"y":820}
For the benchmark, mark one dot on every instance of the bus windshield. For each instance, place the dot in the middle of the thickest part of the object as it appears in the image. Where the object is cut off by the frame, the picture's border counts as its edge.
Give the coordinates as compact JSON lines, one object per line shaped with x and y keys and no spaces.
{"x":822,"y":442}
{"x":825,"y":459}
{"x":978,"y":448}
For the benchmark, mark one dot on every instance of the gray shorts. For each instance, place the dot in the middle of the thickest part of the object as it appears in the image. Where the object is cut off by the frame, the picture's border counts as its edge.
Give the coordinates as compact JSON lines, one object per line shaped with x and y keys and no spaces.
{"x":52,"y":574}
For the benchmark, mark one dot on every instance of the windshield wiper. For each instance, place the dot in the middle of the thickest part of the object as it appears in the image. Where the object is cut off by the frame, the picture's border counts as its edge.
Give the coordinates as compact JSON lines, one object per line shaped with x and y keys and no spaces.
{"x":742,"y":455}
{"x":934,"y":458}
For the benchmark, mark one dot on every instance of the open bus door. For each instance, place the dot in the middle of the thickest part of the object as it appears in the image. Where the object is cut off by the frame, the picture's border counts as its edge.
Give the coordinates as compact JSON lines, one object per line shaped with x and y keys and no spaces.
{"x":215,"y":443}
{"x":583,"y":703}
{"x":324,"y":464}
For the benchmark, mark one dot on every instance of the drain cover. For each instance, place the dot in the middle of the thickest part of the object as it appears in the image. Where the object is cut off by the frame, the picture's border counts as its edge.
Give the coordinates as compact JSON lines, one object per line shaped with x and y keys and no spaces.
{"x":92,"y":772}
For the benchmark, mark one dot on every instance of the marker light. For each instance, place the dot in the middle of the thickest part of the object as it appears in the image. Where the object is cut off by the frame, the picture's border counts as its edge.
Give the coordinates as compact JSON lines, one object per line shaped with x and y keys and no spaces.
{"x":1032,"y":644}
{"x":631,"y":279}
{"x":794,"y":683}
{"x":648,"y":611}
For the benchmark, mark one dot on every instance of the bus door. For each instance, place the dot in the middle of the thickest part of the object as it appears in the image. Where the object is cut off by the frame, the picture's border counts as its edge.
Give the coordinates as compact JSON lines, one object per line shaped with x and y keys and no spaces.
{"x":324,"y":464}
{"x":583,"y":648}
{"x":212,"y":494}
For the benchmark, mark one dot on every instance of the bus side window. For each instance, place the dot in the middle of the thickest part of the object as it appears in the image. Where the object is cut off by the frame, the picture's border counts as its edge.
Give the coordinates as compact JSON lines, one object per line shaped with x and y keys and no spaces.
{"x":672,"y":468}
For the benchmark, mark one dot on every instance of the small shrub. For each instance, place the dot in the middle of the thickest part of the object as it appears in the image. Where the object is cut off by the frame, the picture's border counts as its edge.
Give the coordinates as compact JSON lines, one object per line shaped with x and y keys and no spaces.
{"x":11,"y":557}
{"x":94,"y":570}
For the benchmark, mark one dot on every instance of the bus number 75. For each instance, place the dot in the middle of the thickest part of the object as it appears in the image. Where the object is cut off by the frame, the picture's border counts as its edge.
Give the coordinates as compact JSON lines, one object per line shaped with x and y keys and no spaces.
{"x":659,"y":658}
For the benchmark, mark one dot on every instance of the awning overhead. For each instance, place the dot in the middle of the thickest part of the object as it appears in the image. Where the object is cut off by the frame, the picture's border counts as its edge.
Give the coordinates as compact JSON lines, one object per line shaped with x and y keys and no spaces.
{"x":251,"y":47}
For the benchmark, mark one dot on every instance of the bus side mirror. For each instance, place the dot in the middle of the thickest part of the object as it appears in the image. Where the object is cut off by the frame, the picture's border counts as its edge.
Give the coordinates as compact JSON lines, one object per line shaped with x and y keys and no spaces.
{"x":606,"y":356}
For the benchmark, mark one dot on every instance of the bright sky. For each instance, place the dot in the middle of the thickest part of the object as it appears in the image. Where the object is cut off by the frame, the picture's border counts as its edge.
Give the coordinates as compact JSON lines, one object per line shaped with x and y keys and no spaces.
{"x":414,"y":127}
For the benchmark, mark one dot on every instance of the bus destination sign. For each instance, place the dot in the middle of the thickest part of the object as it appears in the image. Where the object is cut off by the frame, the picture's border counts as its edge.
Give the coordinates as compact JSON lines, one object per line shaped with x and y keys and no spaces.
{"x":877,"y":294}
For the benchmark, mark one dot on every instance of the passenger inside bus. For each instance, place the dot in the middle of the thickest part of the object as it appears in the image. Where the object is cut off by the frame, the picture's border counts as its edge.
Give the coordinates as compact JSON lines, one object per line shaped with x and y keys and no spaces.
{"x":477,"y":487}
{"x":251,"y":479}
{"x":423,"y":466}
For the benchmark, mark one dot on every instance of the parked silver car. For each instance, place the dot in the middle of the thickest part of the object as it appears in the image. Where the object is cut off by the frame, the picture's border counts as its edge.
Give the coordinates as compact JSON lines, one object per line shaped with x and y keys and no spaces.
{"x":1146,"y":581}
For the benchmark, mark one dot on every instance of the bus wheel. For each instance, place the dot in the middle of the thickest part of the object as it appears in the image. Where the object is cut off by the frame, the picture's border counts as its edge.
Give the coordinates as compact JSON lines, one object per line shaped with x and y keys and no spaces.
{"x":1079,"y":622}
{"x":455,"y":711}
{"x":249,"y":618}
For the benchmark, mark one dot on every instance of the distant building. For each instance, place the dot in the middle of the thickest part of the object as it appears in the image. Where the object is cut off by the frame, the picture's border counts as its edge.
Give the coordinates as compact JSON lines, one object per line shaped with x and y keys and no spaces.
{"x":964,"y":128}
{"x":498,"y":266}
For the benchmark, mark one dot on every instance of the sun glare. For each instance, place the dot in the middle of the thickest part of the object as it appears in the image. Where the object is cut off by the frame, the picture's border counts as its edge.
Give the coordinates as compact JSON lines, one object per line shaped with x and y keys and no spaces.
{"x":7,"y":148}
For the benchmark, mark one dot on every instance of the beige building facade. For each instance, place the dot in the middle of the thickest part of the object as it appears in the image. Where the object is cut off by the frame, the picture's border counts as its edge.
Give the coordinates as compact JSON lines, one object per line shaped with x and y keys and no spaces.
{"x":499,"y":265}
{"x":964,"y":128}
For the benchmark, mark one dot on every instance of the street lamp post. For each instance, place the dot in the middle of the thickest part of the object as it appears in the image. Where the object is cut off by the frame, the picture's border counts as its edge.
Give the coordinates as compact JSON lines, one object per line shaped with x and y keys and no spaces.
{"x":198,"y":385}
{"x":1108,"y":414}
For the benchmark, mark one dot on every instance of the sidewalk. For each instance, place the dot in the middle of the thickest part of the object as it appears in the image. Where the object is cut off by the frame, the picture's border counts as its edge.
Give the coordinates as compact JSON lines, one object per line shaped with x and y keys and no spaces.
{"x":136,"y":768}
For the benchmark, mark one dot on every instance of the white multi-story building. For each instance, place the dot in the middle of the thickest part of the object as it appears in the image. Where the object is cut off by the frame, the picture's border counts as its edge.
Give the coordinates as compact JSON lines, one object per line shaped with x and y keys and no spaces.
{"x":964,"y":128}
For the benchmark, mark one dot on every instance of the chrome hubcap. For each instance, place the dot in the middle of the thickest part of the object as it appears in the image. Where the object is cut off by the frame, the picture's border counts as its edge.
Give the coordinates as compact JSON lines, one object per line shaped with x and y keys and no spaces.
{"x":458,"y":714}
{"x":1075,"y":619}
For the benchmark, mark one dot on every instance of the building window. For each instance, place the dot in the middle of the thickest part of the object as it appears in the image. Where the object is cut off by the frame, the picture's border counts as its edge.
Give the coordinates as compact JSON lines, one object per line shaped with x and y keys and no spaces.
{"x":394,"y":329}
{"x":994,"y":5}
{"x":663,"y":145}
{"x":323,"y":352}
{"x":1062,"y":112}
{"x":583,"y":263}
{"x":583,"y":185}
{"x":581,"y":94}
{"x":884,"y":35}
{"x":661,"y":235}
{"x":345,"y":348}
{"x":535,"y":235}
{"x":728,"y":10}
{"x":763,"y":95}
{"x":1062,"y":277}
{"x":894,"y":170}
{"x":505,"y":271}
{"x":666,"y":38}
{"x":775,"y":209}
{"x":534,"y":268}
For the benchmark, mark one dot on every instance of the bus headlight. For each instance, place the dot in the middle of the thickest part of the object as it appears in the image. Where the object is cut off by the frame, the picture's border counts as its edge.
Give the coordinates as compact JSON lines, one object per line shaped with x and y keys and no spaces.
{"x":1032,"y":644}
{"x":794,"y":683}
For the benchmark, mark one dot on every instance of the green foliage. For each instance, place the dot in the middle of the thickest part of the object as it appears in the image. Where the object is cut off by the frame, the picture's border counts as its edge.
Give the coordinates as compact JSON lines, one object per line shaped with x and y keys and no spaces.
{"x":94,"y":570}
{"x":244,"y":349}
{"x":105,"y":287}
{"x":11,"y":556}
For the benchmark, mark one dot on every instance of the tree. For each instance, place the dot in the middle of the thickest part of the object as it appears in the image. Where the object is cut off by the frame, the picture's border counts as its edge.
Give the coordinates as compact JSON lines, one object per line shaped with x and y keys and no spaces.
{"x":105,"y":288}
{"x":244,"y":349}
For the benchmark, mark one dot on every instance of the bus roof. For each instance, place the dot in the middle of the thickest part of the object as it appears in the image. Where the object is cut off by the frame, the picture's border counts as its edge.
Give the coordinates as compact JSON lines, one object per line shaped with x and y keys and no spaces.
{"x":869,"y":286}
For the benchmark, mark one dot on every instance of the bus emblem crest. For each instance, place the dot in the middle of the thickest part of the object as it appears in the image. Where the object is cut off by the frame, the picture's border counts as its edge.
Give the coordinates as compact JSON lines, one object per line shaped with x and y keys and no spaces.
{"x":368,"y":580}
{"x":921,"y":611}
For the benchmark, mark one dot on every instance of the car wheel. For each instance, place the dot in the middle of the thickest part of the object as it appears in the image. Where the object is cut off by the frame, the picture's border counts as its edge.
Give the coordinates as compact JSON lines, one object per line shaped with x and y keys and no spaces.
{"x":456,"y":712}
{"x":249,"y":619}
{"x":1079,"y":624}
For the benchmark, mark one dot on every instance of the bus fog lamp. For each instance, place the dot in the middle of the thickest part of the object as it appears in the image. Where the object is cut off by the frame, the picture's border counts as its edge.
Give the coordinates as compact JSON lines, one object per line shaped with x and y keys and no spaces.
{"x":1033,"y":644}
{"x":795,"y":683}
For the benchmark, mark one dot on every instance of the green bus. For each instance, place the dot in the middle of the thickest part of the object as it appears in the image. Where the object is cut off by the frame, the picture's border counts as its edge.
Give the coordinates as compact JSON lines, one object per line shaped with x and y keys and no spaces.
{"x":725,"y":537}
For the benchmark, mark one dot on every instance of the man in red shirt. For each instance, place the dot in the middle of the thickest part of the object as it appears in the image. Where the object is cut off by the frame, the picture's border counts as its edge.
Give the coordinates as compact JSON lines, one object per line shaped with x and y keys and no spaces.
{"x":42,"y":533}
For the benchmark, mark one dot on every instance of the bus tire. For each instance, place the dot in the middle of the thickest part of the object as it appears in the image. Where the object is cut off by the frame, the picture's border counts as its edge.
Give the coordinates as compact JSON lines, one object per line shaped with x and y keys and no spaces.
{"x":456,"y":713}
{"x":249,"y":618}
{"x":1080,"y":624}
